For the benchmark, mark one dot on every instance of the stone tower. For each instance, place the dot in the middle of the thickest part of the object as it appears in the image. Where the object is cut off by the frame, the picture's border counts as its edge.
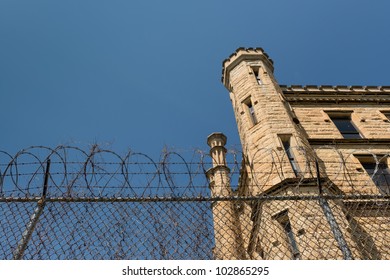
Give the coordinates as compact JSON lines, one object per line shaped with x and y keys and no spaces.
{"x":270,"y":134}
{"x":287,"y":152}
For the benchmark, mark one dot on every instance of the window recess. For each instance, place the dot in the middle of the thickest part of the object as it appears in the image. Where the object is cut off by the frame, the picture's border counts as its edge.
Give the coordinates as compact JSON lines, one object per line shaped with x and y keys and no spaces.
{"x":284,"y":222}
{"x":387,"y":116}
{"x":344,"y":124}
{"x":256,"y":72}
{"x":250,"y":111}
{"x":377,"y":168}
{"x":286,"y":142}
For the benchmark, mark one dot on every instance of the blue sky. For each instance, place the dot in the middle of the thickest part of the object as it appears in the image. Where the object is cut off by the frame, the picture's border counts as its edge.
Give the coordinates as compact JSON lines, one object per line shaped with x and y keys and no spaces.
{"x":144,"y":74}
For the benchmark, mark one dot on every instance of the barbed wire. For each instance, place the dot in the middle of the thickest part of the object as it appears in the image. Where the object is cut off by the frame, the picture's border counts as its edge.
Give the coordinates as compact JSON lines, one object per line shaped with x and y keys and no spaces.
{"x":102,"y":172}
{"x":69,"y":203}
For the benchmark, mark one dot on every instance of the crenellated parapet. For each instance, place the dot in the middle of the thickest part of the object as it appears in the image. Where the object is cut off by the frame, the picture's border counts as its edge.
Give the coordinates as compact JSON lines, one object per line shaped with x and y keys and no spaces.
{"x":240,"y":55}
{"x":336,"y":94}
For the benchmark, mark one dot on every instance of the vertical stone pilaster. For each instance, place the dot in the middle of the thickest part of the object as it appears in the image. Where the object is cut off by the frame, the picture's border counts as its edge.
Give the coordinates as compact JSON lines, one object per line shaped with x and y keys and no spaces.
{"x":227,"y":245}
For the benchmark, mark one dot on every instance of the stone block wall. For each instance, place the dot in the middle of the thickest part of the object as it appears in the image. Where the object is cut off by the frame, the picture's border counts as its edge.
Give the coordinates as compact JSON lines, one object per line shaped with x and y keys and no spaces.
{"x":266,"y":113}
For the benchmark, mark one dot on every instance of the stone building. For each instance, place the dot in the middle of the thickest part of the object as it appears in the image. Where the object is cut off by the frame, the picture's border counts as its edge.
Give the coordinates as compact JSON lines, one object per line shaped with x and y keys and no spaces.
{"x":315,"y":168}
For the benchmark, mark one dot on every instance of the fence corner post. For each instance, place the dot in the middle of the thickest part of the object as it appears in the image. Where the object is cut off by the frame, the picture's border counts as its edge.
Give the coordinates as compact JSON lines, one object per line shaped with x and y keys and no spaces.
{"x":26,"y":236}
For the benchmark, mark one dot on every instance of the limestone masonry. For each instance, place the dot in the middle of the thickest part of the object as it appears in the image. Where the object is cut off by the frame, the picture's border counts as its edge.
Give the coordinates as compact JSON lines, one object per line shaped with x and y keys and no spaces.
{"x":302,"y":141}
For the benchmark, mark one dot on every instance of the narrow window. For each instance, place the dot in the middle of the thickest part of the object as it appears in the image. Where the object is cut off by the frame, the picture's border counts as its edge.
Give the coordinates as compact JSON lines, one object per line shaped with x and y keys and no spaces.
{"x":284,"y":221}
{"x":286,"y":141}
{"x":344,"y":124}
{"x":387,"y":115}
{"x":378,"y":170}
{"x":251,"y":111}
{"x":256,"y":73}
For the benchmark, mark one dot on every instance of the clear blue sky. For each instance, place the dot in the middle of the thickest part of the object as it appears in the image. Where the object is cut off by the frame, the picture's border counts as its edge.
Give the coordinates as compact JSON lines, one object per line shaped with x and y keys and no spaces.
{"x":144,"y":74}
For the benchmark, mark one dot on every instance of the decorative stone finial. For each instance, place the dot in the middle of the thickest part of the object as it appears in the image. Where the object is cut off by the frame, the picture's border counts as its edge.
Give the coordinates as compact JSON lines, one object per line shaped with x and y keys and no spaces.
{"x":216,"y":139}
{"x":217,"y":142}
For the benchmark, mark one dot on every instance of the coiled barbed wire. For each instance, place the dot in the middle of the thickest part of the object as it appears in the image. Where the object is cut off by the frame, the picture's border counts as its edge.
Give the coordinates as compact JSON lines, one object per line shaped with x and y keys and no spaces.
{"x":100,"y":172}
{"x":70,"y":203}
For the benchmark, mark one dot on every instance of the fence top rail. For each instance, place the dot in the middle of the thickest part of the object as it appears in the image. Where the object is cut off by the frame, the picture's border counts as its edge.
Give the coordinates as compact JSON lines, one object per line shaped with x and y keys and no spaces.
{"x":382,"y":198}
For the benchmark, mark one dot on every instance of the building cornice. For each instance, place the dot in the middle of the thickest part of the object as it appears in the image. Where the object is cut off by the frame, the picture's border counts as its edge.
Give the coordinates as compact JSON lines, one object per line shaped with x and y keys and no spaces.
{"x":336,"y":94}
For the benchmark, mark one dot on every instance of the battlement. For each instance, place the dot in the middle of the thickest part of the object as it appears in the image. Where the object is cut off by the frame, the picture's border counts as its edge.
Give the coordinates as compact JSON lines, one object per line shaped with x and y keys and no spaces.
{"x":337,"y":94}
{"x":334,"y":89}
{"x":244,"y":54}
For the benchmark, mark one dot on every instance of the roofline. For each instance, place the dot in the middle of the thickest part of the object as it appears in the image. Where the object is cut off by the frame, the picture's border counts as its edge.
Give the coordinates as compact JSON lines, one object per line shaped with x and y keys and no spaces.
{"x":334,"y":89}
{"x":243,"y":54}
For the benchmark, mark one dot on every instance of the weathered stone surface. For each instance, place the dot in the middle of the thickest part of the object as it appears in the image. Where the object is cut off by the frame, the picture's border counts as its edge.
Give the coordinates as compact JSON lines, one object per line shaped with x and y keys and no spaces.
{"x":271,"y":118}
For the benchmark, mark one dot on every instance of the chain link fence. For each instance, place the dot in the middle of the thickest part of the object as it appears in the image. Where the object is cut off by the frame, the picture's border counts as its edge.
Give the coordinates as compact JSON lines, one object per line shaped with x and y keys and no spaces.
{"x":65,"y":203}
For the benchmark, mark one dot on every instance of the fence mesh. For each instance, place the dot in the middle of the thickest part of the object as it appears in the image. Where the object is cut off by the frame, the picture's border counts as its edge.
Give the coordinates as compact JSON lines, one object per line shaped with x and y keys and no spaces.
{"x":66,"y":203}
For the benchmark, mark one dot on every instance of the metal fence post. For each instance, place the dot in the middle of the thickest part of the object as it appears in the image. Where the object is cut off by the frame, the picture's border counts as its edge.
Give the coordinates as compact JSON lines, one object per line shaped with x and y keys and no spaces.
{"x":337,"y":233}
{"x":26,"y":236}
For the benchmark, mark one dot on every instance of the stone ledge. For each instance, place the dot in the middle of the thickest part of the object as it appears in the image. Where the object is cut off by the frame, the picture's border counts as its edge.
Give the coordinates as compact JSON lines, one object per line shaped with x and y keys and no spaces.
{"x":321,"y":89}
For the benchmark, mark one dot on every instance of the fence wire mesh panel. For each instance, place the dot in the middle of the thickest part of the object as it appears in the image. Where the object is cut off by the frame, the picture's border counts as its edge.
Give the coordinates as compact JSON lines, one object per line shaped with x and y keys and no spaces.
{"x":122,"y":230}
{"x":66,"y":203}
{"x":356,"y":228}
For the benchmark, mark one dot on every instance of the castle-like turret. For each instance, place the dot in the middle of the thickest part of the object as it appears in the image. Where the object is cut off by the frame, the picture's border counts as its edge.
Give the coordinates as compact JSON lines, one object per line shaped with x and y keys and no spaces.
{"x":273,"y":143}
{"x":278,"y":160}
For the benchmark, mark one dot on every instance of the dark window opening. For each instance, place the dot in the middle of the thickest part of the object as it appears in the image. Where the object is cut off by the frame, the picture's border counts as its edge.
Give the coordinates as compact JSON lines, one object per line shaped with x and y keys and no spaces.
{"x":344,"y":124}
{"x":284,"y":221}
{"x":257,"y":75}
{"x":387,"y":115}
{"x":378,"y":170}
{"x":290,"y":154}
{"x":251,"y":111}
